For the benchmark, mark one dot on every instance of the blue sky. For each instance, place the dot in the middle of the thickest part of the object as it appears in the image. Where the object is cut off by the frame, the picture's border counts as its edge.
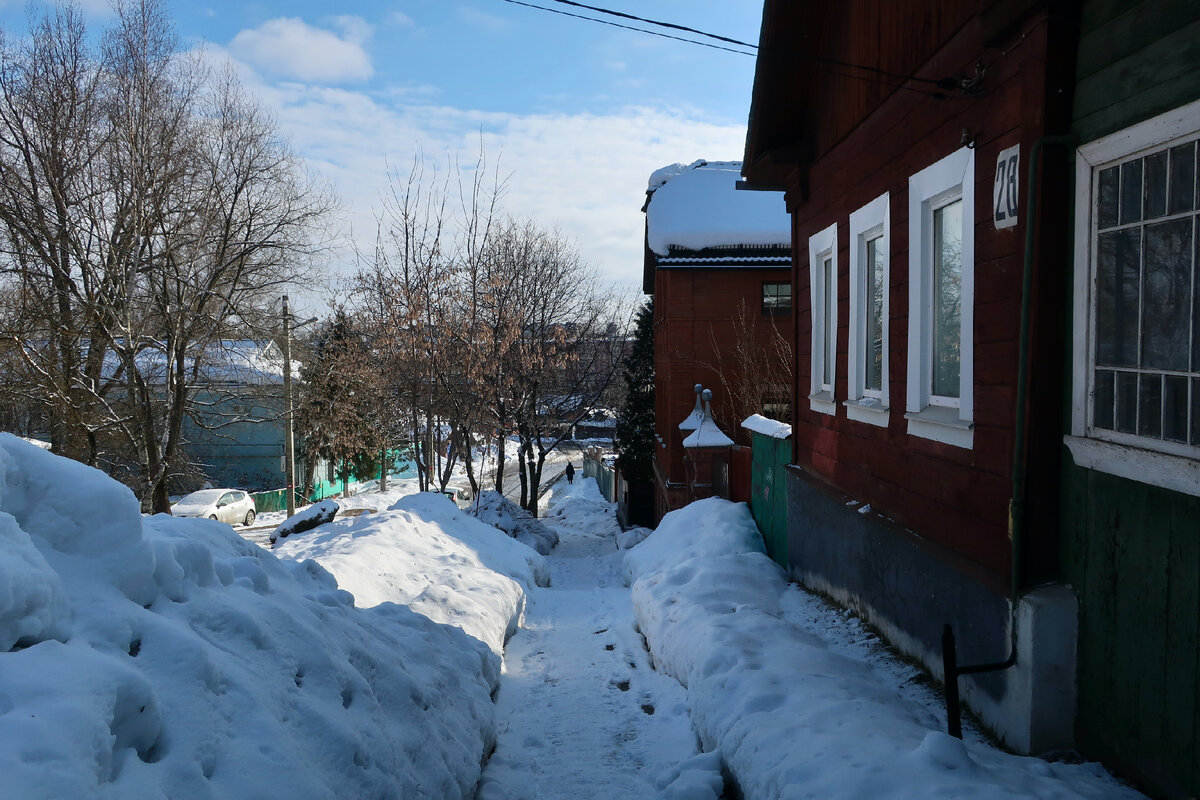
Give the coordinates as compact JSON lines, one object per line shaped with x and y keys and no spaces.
{"x":578,"y":113}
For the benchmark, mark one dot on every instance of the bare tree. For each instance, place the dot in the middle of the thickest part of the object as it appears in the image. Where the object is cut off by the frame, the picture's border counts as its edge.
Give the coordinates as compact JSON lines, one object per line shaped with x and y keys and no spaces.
{"x":484,"y":324}
{"x":51,"y":137}
{"x":421,"y":289}
{"x":558,"y":342}
{"x":171,"y":225}
{"x":754,"y":366}
{"x":403,"y":291}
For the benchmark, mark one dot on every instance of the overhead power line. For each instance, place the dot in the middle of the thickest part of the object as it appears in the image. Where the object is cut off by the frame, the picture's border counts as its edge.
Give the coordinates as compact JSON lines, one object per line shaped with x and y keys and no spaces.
{"x":968,"y":87}
{"x":656,"y":22}
{"x":631,"y":28}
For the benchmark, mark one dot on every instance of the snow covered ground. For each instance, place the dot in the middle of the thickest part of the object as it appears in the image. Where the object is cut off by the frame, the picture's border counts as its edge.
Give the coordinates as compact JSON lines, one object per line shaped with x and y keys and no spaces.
{"x":582,"y":712}
{"x":163,"y":657}
{"x":797,"y":702}
{"x":426,"y":553}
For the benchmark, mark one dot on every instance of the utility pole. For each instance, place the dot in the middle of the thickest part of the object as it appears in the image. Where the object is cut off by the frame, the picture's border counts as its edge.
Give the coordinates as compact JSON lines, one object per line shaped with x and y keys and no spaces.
{"x":289,"y":447}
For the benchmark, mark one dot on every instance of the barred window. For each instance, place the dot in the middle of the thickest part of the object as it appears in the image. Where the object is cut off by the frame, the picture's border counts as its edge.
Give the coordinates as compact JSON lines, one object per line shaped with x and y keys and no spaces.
{"x":1135,"y":381}
{"x":1146,"y":313}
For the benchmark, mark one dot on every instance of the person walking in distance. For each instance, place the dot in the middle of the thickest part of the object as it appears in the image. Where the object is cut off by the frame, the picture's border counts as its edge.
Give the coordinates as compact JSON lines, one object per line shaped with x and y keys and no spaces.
{"x":570,"y":473}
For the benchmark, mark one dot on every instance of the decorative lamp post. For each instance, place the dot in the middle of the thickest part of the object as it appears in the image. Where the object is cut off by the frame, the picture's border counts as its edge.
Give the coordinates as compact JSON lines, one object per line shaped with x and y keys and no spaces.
{"x":693,"y":420}
{"x":707,"y":449}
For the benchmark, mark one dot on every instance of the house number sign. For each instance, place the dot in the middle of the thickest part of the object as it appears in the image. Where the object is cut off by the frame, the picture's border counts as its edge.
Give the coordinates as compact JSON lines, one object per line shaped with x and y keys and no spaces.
{"x":1004,"y":190}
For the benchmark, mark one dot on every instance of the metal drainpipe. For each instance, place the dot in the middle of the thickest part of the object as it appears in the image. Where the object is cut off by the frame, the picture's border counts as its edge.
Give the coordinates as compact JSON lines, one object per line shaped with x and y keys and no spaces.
{"x":1016,"y":506}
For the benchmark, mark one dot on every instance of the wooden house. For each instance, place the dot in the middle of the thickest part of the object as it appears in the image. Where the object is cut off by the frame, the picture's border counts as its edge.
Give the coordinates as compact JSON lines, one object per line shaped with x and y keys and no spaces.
{"x":1131,"y":465}
{"x":996,"y":399}
{"x":718,"y":262}
{"x":903,"y":134}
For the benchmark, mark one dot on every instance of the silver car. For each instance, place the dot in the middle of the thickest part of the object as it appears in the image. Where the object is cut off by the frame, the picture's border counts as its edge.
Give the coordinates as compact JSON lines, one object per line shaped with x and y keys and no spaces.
{"x":227,"y":505}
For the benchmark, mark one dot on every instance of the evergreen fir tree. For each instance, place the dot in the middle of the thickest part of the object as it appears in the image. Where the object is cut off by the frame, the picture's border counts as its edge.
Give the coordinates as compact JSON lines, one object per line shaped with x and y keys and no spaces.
{"x":635,"y":425}
{"x":337,"y":418}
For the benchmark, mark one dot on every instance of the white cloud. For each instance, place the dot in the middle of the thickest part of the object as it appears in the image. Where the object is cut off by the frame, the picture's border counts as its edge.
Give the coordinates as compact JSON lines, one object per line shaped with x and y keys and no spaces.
{"x":354,"y":29}
{"x":400,"y":19}
{"x":291,"y":49}
{"x":584,"y":173}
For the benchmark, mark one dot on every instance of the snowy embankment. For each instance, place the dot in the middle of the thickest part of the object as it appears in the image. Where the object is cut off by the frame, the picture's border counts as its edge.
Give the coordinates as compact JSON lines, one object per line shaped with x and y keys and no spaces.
{"x":165,"y":657}
{"x":789,"y":715}
{"x":500,"y":512}
{"x":426,"y":553}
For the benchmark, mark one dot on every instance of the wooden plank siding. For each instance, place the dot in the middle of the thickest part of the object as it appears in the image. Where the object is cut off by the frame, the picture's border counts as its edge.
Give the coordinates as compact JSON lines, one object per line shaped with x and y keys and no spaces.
{"x":1132,"y":551}
{"x":693,"y":308}
{"x":954,"y":496}
{"x":768,"y":493}
{"x":1135,"y":58}
{"x":1134,"y":558}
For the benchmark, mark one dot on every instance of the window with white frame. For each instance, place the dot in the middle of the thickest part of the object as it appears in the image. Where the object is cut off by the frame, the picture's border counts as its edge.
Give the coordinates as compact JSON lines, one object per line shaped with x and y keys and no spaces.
{"x":1136,"y":370}
{"x":867,"y":377}
{"x":822,"y":265}
{"x":941,"y":279}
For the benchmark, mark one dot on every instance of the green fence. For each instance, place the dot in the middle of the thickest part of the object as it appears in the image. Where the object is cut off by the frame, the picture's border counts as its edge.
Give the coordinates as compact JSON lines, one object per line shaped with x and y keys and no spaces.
{"x":606,"y":477}
{"x":272,"y":501}
{"x":768,"y":493}
{"x":276,"y":499}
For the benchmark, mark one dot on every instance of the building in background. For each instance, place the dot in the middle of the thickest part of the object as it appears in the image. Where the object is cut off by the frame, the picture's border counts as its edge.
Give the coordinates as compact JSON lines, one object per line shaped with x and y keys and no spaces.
{"x":235,"y":438}
{"x":718,"y":262}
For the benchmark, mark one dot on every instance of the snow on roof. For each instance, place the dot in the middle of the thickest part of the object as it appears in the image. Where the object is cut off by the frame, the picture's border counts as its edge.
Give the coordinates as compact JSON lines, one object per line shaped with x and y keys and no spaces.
{"x":726,"y":260}
{"x":707,"y":435}
{"x":767,"y":426}
{"x":693,"y":420}
{"x":227,"y":361}
{"x":699,"y":206}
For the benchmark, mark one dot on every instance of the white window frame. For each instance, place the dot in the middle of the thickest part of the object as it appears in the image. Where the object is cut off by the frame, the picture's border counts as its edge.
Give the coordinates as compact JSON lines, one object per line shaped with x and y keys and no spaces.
{"x":944,"y":419}
{"x":1165,"y":464}
{"x":867,"y":223}
{"x":822,"y":246}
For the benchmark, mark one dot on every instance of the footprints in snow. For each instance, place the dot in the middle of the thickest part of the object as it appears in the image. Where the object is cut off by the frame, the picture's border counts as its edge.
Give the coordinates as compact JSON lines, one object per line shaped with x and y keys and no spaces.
{"x":623,"y":685}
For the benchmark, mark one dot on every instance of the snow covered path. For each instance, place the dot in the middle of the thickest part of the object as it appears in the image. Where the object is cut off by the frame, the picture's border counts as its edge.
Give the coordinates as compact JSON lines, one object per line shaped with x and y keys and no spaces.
{"x":581,"y":713}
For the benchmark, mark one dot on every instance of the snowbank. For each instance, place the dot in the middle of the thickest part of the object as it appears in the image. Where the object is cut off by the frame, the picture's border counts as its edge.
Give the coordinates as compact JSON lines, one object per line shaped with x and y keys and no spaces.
{"x":165,"y":657}
{"x":790,"y":715}
{"x":500,"y":512}
{"x":306,"y":519}
{"x":426,"y":553}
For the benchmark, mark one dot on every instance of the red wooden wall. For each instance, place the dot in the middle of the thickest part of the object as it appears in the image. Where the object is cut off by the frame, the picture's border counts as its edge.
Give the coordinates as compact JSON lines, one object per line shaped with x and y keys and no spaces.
{"x":692,"y":309}
{"x":954,"y":496}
